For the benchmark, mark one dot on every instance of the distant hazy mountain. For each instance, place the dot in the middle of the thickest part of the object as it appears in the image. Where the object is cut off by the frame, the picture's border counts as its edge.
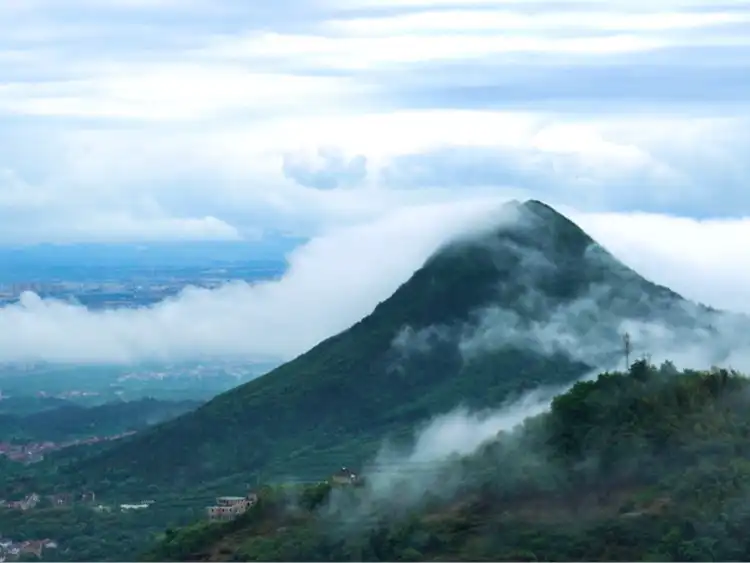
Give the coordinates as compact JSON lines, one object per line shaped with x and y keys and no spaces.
{"x":534,"y":301}
{"x":72,"y":422}
{"x":23,"y":405}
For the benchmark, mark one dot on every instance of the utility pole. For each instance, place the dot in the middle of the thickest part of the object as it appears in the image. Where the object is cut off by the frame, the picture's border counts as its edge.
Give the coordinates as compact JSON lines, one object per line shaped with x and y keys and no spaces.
{"x":626,"y":343}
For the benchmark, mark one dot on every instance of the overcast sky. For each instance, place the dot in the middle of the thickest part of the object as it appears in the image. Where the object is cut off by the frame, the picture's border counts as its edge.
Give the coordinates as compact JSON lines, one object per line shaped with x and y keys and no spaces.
{"x":186,"y":119}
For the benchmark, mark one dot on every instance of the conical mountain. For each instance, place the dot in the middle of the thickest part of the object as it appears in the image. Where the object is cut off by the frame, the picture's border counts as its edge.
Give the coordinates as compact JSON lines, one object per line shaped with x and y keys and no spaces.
{"x":533,"y":301}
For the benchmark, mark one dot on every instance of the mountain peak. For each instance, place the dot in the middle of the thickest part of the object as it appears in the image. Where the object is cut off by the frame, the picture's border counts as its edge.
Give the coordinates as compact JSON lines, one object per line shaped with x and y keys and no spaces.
{"x":453,"y":332}
{"x":545,"y":215}
{"x":523,"y":227}
{"x":535,"y":204}
{"x":531,"y":260}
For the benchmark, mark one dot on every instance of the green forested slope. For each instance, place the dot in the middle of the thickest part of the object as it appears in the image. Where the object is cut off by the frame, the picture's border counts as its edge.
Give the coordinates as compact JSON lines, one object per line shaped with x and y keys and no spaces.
{"x":649,"y":465}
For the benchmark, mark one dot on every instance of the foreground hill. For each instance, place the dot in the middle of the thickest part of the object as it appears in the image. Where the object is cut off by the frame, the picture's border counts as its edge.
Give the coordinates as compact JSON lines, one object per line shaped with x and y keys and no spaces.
{"x":532,"y":301}
{"x":650,"y":465}
{"x":72,"y":422}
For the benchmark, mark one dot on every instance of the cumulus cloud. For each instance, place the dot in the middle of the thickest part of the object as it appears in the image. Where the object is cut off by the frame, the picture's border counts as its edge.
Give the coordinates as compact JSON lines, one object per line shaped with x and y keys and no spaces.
{"x":695,"y":257}
{"x":23,"y":204}
{"x":329,"y":168}
{"x":595,"y":164}
{"x":199,"y":109}
{"x":238,"y":176}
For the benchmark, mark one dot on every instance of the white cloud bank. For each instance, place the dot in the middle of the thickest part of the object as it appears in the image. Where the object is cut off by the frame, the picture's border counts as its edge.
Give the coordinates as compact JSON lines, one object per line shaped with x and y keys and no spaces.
{"x":332,"y":282}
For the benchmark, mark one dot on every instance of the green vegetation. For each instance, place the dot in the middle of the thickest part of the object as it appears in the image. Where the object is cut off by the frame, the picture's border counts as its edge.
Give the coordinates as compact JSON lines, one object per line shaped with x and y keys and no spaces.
{"x":84,"y":534}
{"x":72,"y":422}
{"x":334,"y":405}
{"x":647,"y":465}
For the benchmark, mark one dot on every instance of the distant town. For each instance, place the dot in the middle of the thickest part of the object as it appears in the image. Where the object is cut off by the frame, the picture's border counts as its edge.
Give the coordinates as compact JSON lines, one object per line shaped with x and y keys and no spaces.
{"x":73,"y":394}
{"x":34,"y":452}
{"x":125,"y":287}
{"x":96,"y":294}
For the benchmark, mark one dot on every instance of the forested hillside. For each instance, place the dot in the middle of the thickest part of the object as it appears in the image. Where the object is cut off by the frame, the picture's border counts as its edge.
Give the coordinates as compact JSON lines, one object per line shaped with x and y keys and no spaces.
{"x":649,"y":465}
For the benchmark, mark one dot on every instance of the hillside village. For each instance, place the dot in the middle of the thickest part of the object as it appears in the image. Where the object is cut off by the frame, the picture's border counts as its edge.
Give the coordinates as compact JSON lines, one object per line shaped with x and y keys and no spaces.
{"x":13,"y":550}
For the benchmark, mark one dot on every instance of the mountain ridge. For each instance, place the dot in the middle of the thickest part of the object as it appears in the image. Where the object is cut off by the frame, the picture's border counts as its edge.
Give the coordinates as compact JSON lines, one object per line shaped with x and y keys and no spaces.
{"x":72,"y":421}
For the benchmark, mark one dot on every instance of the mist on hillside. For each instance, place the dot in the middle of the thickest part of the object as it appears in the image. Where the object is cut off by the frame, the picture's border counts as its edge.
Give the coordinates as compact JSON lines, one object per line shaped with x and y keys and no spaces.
{"x":590,"y":327}
{"x":661,"y":327}
{"x":462,"y":456}
{"x":399,"y":480}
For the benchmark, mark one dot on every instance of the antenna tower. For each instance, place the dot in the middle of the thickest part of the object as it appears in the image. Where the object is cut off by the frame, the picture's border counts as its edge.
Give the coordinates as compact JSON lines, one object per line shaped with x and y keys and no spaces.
{"x":627,"y":349}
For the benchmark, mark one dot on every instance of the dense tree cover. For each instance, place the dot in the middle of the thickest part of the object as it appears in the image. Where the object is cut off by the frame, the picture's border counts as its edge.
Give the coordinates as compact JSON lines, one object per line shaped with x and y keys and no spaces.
{"x":333,"y":405}
{"x":71,"y":422}
{"x":652,"y":465}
